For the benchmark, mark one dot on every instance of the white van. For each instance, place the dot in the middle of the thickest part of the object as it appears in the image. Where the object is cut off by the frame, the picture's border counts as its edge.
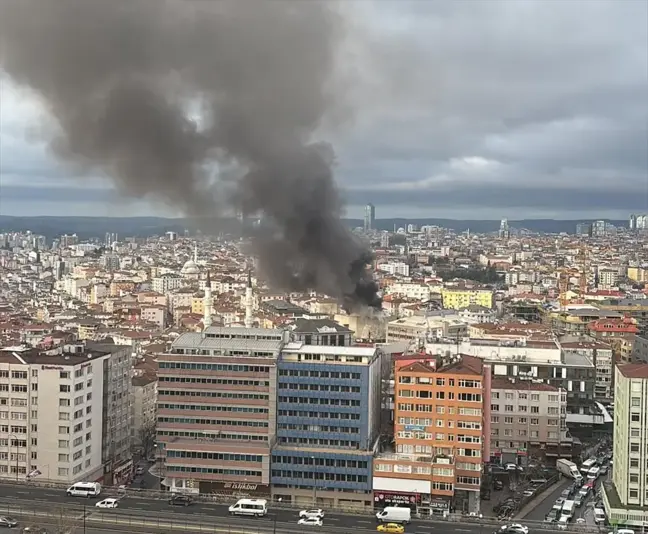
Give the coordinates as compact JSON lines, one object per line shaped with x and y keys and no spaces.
{"x":84,"y":489}
{"x":395,"y":514}
{"x":599,"y":516}
{"x":563,"y":522}
{"x":254,"y":507}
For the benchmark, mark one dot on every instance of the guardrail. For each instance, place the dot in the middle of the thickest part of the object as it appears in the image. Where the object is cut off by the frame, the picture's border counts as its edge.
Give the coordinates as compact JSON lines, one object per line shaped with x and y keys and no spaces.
{"x":75,"y":519}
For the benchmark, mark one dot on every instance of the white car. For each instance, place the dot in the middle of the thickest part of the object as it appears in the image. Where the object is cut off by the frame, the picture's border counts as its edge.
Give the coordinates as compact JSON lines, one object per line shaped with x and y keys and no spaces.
{"x":310,"y":521}
{"x":515,"y":528}
{"x":107,"y":503}
{"x":312,"y":513}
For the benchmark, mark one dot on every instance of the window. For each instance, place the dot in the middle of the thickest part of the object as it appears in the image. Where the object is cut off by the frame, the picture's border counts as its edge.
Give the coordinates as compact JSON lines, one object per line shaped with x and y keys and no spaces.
{"x":63,"y":457}
{"x":64,"y":389}
{"x":64,"y":374}
{"x":634,"y":447}
{"x":63,"y":471}
{"x":535,"y":409}
{"x":636,"y":402}
{"x":64,"y":402}
{"x":634,"y":462}
{"x":508,"y":408}
{"x":634,"y":417}
{"x":64,"y":430}
{"x":494,"y":407}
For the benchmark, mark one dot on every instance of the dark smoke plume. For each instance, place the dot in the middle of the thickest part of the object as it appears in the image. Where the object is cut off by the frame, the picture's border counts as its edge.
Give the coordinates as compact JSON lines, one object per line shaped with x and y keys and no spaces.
{"x":118,"y":76}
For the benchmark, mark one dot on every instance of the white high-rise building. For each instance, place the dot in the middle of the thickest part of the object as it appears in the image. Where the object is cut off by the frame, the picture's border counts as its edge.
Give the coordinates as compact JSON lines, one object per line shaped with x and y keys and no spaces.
{"x":626,"y":501}
{"x":51,"y":404}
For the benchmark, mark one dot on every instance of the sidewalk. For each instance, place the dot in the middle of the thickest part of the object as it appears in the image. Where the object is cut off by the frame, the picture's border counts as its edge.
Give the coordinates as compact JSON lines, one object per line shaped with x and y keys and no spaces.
{"x":533,"y":503}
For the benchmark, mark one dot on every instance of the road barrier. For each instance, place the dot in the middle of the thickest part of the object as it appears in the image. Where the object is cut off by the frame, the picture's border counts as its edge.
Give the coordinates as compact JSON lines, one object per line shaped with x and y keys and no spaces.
{"x":77,"y":519}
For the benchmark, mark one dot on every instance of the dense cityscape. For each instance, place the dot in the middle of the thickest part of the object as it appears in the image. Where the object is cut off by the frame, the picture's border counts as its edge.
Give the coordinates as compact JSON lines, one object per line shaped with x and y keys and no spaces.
{"x":167,"y":363}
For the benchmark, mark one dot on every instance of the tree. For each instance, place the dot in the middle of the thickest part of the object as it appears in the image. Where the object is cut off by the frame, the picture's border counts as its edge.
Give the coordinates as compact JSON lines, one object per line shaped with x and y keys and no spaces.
{"x":147,"y":437}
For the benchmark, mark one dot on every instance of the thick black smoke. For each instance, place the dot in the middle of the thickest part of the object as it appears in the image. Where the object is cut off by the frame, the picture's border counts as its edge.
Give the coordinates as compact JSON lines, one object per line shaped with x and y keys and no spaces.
{"x":119,"y":76}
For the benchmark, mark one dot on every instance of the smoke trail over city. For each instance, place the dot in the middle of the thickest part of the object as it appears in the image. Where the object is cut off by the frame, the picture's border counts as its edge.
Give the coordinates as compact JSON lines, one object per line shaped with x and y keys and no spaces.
{"x":120,"y":76}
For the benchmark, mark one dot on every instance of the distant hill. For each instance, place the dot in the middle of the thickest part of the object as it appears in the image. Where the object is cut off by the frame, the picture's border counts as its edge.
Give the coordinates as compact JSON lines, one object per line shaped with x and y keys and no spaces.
{"x":89,"y":227}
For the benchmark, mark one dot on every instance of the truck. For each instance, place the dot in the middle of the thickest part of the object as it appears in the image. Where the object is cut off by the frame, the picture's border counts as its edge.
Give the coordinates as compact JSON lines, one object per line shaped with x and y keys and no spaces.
{"x":569,"y":469}
{"x":395,"y":514}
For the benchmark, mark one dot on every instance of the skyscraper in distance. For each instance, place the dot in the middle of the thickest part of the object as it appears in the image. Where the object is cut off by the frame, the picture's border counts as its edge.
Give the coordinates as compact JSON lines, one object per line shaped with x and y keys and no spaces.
{"x":369,"y":217}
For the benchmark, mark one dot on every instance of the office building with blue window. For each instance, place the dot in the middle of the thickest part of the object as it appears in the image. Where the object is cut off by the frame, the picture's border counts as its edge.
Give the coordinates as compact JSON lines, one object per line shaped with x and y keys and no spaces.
{"x":328,"y":421}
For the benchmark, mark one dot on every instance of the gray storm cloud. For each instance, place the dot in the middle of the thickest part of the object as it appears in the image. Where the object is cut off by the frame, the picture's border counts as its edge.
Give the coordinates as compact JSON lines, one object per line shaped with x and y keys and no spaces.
{"x":118,"y":77}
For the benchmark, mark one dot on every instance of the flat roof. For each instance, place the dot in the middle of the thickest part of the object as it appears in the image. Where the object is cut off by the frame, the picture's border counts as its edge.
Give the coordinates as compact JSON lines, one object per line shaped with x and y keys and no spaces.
{"x":297,"y":347}
{"x":634,"y":370}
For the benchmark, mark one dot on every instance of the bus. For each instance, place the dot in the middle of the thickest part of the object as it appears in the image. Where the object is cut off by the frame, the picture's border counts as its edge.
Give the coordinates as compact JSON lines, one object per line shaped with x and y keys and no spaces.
{"x":254,"y":507}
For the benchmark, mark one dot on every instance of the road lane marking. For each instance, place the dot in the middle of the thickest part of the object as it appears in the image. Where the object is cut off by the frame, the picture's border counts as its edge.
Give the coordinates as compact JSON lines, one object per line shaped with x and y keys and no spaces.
{"x":462,"y":530}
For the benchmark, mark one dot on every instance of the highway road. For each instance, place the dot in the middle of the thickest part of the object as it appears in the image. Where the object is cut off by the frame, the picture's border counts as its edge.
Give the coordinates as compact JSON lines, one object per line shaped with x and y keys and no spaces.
{"x":153,"y":515}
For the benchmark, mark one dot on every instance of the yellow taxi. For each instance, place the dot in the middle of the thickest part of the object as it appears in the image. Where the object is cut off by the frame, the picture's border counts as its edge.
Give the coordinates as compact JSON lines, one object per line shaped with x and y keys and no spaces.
{"x":391,"y":528}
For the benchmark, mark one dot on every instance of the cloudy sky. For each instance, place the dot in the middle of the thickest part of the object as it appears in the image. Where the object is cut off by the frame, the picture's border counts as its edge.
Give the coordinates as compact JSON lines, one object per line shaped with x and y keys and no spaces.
{"x":464,"y":109}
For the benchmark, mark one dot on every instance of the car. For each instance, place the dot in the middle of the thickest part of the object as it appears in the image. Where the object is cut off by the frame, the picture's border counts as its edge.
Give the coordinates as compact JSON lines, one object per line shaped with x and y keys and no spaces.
{"x":310,"y":521}
{"x":312,"y":513}
{"x":604,"y":470}
{"x":528,"y":493}
{"x":514,"y":528}
{"x":108,"y":503}
{"x":498,"y":485}
{"x":391,"y":528}
{"x":559,"y":501}
{"x":566,"y":494}
{"x":6,"y":521}
{"x":581,"y":521}
{"x":180,"y":500}
{"x":139,"y":471}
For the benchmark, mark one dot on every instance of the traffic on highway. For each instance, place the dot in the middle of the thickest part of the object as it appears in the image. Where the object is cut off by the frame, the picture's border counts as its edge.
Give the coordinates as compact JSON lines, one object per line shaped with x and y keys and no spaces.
{"x":163,"y":515}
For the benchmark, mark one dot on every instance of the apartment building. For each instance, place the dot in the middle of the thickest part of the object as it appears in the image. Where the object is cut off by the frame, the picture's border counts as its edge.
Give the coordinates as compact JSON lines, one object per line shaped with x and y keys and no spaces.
{"x":626,"y":499}
{"x":441,"y":418}
{"x":51,"y":413}
{"x":601,"y":354}
{"x":144,"y":411}
{"x":328,"y":421}
{"x":572,"y":371}
{"x":527,"y":421}
{"x":458,"y":299}
{"x":216,"y":410}
{"x":117,"y":417}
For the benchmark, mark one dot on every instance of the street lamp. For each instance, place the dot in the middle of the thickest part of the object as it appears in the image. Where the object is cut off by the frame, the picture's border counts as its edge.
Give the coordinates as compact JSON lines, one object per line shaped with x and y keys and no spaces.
{"x":274,"y":526}
{"x":16,"y":441}
{"x":314,"y":483}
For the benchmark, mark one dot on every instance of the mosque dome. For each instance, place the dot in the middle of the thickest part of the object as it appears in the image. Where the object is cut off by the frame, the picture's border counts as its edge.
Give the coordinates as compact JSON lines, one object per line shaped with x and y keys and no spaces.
{"x":190,"y":268}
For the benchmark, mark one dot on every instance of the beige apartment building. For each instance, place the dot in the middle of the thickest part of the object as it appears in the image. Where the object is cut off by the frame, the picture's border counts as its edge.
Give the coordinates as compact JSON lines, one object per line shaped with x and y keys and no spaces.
{"x":216,"y":410}
{"x":626,"y":500}
{"x":51,"y":413}
{"x":527,"y":420}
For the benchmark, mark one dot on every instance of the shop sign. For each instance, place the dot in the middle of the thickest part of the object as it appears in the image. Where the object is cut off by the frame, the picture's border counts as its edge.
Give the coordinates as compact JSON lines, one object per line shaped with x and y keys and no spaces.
{"x":415,"y":428}
{"x":390,"y":498}
{"x":439,"y":504}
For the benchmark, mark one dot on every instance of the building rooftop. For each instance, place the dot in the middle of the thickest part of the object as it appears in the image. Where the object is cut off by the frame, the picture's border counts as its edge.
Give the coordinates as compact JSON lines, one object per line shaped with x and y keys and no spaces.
{"x":302,"y":348}
{"x":197,"y":341}
{"x":634,"y":370}
{"x":522,"y":385}
{"x":55,"y":357}
{"x":320,"y":326}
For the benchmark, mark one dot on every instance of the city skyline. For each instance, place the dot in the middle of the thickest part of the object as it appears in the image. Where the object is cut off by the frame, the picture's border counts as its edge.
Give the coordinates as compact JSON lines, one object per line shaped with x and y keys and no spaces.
{"x":531,"y":126}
